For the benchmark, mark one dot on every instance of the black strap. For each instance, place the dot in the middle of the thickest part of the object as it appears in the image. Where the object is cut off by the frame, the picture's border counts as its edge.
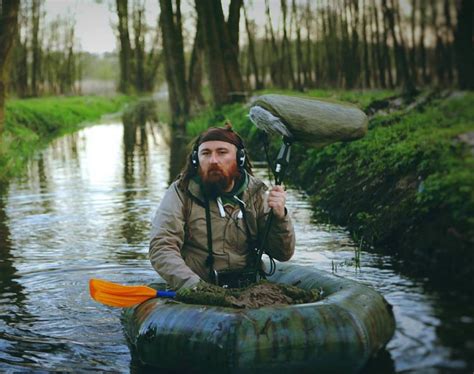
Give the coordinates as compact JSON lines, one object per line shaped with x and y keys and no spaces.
{"x":210,"y":256}
{"x":250,"y":245}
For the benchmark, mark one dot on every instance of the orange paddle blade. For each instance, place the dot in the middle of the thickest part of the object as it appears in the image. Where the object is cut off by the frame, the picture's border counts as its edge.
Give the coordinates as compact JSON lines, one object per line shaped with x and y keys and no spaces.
{"x":113,"y":294}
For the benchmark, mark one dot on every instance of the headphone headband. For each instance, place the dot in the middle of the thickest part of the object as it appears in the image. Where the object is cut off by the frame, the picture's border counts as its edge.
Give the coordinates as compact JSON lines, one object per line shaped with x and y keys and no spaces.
{"x":240,"y":155}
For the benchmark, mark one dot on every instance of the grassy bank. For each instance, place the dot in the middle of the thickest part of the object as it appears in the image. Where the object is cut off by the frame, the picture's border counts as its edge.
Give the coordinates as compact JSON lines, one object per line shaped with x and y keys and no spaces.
{"x":406,"y":188}
{"x":31,"y":123}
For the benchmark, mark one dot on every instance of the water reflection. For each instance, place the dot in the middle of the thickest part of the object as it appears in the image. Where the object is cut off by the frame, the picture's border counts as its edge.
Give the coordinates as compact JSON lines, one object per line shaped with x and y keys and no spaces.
{"x":179,"y":150}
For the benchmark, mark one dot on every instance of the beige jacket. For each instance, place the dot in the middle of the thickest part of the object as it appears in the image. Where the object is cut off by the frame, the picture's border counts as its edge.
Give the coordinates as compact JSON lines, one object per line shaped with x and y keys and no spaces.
{"x":178,"y":247}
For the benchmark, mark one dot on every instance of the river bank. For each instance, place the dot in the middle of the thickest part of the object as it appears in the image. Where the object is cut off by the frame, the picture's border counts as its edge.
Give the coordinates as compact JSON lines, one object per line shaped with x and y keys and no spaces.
{"x":30,"y":124}
{"x":405,"y":189}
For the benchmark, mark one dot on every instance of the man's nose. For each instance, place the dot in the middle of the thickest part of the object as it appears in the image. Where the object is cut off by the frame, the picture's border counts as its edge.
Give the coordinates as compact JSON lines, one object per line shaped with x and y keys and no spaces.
{"x":214,"y":159}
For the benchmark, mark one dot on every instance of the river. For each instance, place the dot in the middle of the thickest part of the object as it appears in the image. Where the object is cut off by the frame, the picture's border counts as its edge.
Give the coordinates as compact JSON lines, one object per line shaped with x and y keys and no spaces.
{"x":82,"y":209}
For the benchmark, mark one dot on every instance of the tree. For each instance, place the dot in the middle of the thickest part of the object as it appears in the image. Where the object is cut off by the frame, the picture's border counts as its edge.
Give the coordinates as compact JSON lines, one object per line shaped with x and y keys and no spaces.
{"x":251,"y":51}
{"x":8,"y":30}
{"x":222,"y":64}
{"x":196,"y":68}
{"x":403,"y":75}
{"x":125,"y":47}
{"x":463,"y":45}
{"x":35,"y":47}
{"x":171,"y":29}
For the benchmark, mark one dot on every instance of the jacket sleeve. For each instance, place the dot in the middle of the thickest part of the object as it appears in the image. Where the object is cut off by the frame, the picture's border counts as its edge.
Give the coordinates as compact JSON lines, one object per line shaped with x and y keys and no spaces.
{"x":167,"y":238}
{"x":281,"y":238}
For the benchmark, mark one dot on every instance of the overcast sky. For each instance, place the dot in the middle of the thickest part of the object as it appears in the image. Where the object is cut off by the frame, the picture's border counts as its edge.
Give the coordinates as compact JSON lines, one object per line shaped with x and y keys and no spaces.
{"x":94,"y":18}
{"x":93,"y":21}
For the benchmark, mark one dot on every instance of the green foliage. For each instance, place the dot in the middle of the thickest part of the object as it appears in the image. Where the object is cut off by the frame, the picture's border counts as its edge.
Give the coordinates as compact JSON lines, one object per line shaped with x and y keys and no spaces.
{"x":103,"y":67}
{"x":31,"y":123}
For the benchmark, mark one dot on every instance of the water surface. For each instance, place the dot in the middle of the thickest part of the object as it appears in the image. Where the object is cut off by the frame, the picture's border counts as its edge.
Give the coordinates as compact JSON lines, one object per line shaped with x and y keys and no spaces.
{"x":82,"y":209}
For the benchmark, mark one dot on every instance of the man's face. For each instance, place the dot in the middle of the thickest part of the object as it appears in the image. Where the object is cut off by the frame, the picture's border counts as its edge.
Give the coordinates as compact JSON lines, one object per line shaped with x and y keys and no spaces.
{"x":218,"y":165}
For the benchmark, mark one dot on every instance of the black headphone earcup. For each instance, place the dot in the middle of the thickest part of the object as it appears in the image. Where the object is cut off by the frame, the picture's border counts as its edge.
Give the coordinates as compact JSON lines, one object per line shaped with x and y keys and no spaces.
{"x":241,"y":157}
{"x":195,"y":159}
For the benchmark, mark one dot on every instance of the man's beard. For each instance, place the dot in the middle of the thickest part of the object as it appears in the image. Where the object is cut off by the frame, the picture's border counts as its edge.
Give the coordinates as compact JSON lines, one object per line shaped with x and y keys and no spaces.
{"x":218,"y":180}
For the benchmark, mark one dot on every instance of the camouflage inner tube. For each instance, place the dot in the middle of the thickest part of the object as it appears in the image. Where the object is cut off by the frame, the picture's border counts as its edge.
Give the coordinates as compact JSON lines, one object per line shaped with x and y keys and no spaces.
{"x":338,"y":333}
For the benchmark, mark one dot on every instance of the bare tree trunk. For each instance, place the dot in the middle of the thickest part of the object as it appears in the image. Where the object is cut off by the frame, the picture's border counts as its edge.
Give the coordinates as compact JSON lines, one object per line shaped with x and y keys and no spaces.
{"x":20,"y":57}
{"x":300,"y":69}
{"x":233,"y":23}
{"x":355,"y":59}
{"x":251,"y":53}
{"x":275,"y":61}
{"x":379,"y":49}
{"x":330,"y":36}
{"x":413,"y":41}
{"x":366,"y":46}
{"x":463,"y":45}
{"x":308,"y":81}
{"x":424,"y":70}
{"x":319,"y":46}
{"x":221,"y":60}
{"x":449,"y":41}
{"x":345,"y":52}
{"x":125,"y":47}
{"x":35,"y":46}
{"x":265,"y":58}
{"x":139,"y":46}
{"x":287,"y":66}
{"x":386,"y":52}
{"x":8,"y":30}
{"x":401,"y":60}
{"x":170,"y":22}
{"x":153,"y":61}
{"x":374,"y":50}
{"x":196,"y":68}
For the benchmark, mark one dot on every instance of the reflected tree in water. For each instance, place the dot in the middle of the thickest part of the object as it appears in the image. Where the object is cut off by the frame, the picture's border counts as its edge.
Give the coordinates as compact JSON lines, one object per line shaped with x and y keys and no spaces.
{"x":138,"y":129}
{"x":178,"y":151}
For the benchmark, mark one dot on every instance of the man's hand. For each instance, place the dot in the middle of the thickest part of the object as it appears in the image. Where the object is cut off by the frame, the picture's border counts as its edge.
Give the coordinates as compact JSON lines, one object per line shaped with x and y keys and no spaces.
{"x":277,"y":200}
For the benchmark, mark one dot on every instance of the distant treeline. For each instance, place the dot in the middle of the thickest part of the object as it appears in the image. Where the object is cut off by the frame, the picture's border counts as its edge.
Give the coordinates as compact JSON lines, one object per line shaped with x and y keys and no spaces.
{"x":45,"y":55}
{"x":361,"y":44}
{"x":325,"y":43}
{"x":297,"y":44}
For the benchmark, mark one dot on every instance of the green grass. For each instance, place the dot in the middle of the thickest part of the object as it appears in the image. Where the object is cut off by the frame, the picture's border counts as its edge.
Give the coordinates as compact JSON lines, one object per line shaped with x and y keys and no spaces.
{"x":31,"y":123}
{"x":407,"y":187}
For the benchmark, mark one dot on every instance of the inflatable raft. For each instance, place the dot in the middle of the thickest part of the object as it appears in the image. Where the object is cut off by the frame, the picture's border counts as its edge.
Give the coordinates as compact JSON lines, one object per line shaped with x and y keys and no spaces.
{"x":337,"y":334}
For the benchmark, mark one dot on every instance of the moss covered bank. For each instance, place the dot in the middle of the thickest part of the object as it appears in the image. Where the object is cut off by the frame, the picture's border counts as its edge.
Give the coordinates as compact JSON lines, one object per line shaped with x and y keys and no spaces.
{"x":407,"y":188}
{"x":30,"y":124}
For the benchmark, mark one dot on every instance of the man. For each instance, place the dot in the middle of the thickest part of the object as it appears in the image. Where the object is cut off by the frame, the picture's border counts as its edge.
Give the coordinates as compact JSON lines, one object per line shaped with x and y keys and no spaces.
{"x":213,"y":216}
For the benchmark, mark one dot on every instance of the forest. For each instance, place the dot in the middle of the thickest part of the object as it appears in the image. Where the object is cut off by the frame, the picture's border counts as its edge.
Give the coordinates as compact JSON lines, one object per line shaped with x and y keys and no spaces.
{"x":298,"y":45}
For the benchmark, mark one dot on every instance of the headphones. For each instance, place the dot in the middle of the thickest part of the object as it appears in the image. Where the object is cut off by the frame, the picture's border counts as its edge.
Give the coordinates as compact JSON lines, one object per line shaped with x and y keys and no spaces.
{"x":240,"y":157}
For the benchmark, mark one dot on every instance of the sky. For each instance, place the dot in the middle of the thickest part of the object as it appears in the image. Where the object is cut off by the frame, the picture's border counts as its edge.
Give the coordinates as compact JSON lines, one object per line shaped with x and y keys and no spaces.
{"x":94,"y":18}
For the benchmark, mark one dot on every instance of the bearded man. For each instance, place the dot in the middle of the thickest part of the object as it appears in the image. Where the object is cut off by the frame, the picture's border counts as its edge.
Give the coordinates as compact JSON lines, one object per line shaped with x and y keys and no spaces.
{"x":212,"y":217}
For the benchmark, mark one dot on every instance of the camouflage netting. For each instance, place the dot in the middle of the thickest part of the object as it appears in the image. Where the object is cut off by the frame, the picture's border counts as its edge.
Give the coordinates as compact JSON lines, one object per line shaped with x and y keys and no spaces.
{"x":313,"y":121}
{"x":258,"y":295}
